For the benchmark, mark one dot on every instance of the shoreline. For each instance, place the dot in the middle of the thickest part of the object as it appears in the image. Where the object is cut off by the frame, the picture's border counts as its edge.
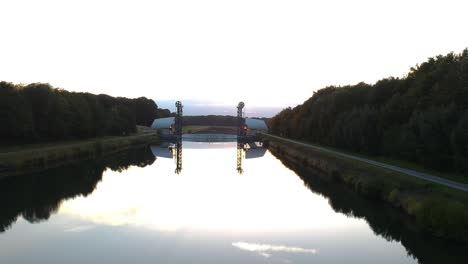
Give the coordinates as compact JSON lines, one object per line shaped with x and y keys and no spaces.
{"x":438,"y":210}
{"x":33,"y":158}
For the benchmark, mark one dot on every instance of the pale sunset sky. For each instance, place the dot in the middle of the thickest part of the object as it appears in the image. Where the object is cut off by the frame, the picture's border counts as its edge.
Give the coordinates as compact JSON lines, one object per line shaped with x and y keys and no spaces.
{"x":262,"y":52}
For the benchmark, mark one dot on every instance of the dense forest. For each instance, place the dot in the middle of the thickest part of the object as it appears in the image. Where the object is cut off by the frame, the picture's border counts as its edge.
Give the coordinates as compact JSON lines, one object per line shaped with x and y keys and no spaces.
{"x":38,"y":112}
{"x":421,"y":118}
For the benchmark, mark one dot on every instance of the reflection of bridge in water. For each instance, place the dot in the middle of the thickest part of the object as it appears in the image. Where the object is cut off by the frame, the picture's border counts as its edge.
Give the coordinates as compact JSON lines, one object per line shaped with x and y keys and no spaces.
{"x":245,"y":150}
{"x":248,"y":144}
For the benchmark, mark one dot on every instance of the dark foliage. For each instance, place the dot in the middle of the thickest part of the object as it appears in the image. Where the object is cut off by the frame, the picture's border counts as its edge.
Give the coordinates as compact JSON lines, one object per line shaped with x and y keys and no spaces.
{"x":40,"y":113}
{"x":421,"y":118}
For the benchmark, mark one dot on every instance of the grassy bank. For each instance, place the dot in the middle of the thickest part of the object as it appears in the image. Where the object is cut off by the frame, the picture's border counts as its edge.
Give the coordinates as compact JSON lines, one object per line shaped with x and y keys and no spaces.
{"x":438,"y":210}
{"x":399,"y":163}
{"x":20,"y":159}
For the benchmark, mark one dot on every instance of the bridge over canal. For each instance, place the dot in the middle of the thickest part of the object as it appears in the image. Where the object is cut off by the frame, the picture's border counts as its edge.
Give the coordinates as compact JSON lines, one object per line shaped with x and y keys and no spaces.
{"x":248,"y":145}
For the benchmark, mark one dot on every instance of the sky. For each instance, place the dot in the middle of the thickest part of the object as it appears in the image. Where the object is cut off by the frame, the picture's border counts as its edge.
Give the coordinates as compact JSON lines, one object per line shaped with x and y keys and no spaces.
{"x":265,"y":53}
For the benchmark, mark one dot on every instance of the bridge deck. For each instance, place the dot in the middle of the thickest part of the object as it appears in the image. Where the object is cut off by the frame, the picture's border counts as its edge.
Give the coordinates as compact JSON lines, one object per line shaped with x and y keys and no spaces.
{"x":211,"y":138}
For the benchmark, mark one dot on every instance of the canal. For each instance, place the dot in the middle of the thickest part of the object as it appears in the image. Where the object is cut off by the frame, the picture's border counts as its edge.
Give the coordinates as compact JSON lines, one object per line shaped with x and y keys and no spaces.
{"x":135,"y":207}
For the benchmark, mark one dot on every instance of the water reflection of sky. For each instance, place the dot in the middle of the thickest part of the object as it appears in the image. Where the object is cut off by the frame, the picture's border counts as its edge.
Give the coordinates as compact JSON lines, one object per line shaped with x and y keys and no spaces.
{"x":207,"y":214}
{"x":209,"y":195}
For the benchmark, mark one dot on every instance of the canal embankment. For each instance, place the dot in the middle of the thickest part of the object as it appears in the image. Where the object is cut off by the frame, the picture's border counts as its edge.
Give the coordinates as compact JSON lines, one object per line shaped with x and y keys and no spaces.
{"x":439,"y":210}
{"x":30,"y":158}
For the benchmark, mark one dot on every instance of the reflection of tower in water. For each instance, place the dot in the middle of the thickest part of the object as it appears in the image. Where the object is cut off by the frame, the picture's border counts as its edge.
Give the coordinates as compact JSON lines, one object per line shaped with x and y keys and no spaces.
{"x":240,"y":156}
{"x":178,"y":137}
{"x":240,"y":136}
{"x":178,"y":156}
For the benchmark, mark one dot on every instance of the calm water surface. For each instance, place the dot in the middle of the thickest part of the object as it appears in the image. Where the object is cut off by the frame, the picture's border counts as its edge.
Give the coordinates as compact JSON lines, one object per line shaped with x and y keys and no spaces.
{"x":134,"y":208}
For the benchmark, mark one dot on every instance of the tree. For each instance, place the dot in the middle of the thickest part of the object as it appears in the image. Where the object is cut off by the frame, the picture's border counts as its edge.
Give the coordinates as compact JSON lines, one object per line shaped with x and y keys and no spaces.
{"x":419,"y":118}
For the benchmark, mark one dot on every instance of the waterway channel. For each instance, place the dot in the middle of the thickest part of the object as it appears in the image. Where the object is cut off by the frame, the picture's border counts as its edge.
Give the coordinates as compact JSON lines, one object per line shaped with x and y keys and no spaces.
{"x":136,"y":207}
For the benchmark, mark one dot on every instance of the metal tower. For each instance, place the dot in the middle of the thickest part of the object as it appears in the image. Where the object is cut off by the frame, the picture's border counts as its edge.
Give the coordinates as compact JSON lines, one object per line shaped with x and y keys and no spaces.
{"x":240,"y":120}
{"x":178,"y":120}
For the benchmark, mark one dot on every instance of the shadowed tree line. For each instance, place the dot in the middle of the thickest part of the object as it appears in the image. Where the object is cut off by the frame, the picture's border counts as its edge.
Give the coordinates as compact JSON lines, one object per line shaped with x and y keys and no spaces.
{"x":38,"y":112}
{"x":37,"y":196}
{"x":421,"y":118}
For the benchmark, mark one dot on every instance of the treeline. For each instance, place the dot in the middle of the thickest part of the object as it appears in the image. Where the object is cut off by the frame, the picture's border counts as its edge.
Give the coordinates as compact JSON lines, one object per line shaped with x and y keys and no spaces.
{"x":40,"y":113}
{"x":421,"y":118}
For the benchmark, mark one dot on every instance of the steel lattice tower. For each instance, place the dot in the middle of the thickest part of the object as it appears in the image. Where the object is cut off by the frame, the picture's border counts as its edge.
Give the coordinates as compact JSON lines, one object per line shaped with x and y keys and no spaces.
{"x":178,"y":119}
{"x":240,"y":120}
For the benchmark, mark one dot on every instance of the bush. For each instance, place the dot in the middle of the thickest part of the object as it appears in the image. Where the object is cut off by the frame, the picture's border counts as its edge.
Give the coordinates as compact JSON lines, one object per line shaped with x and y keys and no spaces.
{"x":393,"y":196}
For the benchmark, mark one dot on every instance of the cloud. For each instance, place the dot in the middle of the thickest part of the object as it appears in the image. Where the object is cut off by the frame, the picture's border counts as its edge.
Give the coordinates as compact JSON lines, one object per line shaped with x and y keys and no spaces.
{"x":266,"y":249}
{"x":77,"y":229}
